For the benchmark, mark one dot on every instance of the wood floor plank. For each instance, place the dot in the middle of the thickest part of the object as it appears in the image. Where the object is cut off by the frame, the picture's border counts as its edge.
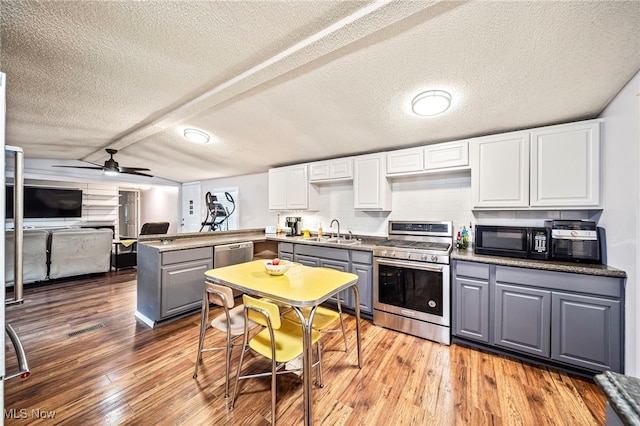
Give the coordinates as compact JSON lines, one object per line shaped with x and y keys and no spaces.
{"x":126,"y":373}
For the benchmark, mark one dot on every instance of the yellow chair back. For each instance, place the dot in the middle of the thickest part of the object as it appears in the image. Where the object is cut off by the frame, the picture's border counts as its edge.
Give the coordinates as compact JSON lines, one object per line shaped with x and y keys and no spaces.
{"x":269,"y":308}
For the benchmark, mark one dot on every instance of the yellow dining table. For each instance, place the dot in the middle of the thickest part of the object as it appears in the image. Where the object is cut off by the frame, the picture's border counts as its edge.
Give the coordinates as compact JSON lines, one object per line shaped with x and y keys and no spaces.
{"x":300,"y":287}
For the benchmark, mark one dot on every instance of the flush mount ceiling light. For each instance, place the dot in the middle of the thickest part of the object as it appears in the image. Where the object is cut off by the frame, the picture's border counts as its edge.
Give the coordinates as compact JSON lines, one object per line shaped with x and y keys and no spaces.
{"x":432,"y":102}
{"x":197,"y":136}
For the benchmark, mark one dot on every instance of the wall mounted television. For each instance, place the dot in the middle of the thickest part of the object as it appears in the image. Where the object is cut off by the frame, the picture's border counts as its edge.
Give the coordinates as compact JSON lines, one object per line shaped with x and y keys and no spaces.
{"x":47,"y":203}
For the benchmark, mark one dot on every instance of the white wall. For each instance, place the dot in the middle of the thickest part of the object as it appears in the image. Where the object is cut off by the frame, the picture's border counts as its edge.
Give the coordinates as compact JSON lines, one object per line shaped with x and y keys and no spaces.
{"x":252,"y":202}
{"x":621,"y":196}
{"x":161,"y":204}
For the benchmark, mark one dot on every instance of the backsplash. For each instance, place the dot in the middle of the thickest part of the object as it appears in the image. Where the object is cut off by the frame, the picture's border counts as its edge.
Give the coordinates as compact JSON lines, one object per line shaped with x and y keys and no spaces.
{"x":425,"y":197}
{"x":435,"y":197}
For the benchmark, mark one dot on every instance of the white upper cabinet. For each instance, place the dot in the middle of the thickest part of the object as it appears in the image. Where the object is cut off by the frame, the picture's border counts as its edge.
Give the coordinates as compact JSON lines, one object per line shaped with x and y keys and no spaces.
{"x":446,"y":155}
{"x":431,"y":158}
{"x":338,"y":169}
{"x":371,"y":190}
{"x":405,"y":161}
{"x":555,"y":167}
{"x":500,"y":170}
{"x":289,"y":189}
{"x":278,"y":188}
{"x":565,"y":165}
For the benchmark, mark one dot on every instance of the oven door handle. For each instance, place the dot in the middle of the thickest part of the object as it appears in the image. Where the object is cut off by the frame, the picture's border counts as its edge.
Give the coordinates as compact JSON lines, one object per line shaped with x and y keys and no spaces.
{"x":414,"y":265}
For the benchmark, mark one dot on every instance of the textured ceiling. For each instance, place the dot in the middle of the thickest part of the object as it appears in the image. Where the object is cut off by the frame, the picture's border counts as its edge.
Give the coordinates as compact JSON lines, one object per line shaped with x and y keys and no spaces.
{"x":281,"y":82}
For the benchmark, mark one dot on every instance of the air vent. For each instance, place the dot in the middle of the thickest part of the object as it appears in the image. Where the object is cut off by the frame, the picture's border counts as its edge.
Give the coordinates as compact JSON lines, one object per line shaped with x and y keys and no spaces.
{"x":85,"y":330}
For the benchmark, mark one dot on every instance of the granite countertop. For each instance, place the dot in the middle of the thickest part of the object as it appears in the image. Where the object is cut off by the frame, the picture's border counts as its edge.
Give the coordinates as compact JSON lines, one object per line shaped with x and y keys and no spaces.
{"x":172,"y":242}
{"x":623,"y":394}
{"x":547,"y":265}
{"x":362,"y":243}
{"x":192,"y":240}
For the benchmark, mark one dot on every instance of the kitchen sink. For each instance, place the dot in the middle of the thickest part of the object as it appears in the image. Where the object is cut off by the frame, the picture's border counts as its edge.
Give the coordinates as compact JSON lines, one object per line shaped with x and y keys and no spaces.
{"x":342,"y":241}
{"x":336,"y":241}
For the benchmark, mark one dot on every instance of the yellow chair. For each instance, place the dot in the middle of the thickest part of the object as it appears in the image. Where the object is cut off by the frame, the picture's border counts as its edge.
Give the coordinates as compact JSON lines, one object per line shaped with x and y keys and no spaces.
{"x":322,"y":320}
{"x":280,"y":341}
{"x":231,"y":322}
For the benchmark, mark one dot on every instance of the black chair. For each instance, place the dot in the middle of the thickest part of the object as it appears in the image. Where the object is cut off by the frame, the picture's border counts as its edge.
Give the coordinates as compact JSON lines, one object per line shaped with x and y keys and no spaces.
{"x":154,"y":228}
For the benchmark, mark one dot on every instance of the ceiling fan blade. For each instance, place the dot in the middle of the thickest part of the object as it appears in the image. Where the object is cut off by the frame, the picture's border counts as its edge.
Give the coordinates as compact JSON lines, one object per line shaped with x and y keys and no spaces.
{"x":133,"y":172}
{"x":111,"y":165}
{"x":132,"y":169}
{"x":81,"y":167}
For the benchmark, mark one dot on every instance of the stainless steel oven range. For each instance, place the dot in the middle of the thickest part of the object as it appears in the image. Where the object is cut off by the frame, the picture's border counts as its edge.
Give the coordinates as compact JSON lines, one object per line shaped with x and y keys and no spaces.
{"x":411,"y":280}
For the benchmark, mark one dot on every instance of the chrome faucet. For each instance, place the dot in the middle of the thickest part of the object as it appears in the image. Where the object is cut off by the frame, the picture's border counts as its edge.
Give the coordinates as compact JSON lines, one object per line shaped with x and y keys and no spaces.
{"x":331,"y":226}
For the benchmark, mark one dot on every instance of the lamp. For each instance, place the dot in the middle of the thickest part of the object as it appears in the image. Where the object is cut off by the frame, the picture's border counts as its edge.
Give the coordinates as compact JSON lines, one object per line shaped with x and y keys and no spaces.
{"x":432,"y":102}
{"x":111,"y":173}
{"x":197,"y":136}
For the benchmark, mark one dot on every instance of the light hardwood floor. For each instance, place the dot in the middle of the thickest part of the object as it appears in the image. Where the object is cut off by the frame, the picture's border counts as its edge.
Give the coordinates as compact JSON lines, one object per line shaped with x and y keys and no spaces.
{"x":127,"y":373}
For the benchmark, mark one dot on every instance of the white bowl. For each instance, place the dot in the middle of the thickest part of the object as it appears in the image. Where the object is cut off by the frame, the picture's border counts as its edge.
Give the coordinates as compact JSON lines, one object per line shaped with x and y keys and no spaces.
{"x":278,"y":269}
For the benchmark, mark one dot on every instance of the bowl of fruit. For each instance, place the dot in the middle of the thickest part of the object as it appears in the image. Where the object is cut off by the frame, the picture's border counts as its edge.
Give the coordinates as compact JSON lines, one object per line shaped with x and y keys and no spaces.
{"x":276,"y":266}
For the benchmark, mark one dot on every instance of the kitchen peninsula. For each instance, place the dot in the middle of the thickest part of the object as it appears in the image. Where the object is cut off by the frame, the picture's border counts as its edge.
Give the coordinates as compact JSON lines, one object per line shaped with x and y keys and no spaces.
{"x":171,"y":267}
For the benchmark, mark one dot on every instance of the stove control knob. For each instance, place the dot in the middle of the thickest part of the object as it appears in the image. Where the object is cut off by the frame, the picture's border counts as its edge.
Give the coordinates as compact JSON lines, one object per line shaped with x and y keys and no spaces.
{"x":408,"y":255}
{"x":424,"y":257}
{"x":393,"y":254}
{"x":384,"y":253}
{"x":434,"y":258}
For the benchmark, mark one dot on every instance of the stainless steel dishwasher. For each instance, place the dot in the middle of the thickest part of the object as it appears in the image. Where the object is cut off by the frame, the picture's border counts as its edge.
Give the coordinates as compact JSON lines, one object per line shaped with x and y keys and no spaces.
{"x":231,"y":254}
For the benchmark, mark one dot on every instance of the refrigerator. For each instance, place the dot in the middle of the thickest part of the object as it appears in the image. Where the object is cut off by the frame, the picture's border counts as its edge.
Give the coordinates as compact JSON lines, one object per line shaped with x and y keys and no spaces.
{"x":15,"y":154}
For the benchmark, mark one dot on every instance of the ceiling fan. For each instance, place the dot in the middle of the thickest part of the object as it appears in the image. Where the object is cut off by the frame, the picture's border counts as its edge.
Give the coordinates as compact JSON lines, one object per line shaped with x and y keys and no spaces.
{"x":111,"y":166}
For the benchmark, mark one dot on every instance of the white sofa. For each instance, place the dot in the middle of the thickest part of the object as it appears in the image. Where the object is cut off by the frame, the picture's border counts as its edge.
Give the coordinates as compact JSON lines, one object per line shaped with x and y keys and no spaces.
{"x":59,"y":253}
{"x":79,"y":251}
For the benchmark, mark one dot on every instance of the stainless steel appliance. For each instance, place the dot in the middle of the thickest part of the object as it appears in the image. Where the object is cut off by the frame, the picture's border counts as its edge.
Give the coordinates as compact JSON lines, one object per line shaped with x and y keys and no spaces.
{"x":512,"y":241}
{"x":576,"y":241}
{"x":232,"y":254}
{"x":294,"y":223}
{"x":411,"y":281}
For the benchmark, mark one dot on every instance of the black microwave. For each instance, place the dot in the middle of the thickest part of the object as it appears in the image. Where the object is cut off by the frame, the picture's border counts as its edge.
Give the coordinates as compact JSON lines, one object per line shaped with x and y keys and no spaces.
{"x":513,"y":241}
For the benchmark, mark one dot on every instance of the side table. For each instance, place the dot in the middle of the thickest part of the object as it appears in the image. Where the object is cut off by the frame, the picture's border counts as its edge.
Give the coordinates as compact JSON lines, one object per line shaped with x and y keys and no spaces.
{"x":127,"y":259}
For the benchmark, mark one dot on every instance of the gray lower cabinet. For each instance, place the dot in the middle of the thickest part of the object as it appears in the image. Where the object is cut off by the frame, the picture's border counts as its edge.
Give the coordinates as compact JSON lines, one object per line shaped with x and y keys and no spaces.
{"x":471,"y":301}
{"x":342,"y":266}
{"x":472,"y":315}
{"x":182,"y":286}
{"x":326,"y":257}
{"x":596,"y":348}
{"x":362,"y":266}
{"x":522,"y":319}
{"x":354,"y":261}
{"x":285,"y":251}
{"x":170,"y":283}
{"x":307,"y":260}
{"x":566,"y":318}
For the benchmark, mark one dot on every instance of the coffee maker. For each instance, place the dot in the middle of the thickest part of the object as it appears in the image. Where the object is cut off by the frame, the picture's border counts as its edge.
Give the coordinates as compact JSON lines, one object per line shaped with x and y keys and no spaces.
{"x":294,"y":223}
